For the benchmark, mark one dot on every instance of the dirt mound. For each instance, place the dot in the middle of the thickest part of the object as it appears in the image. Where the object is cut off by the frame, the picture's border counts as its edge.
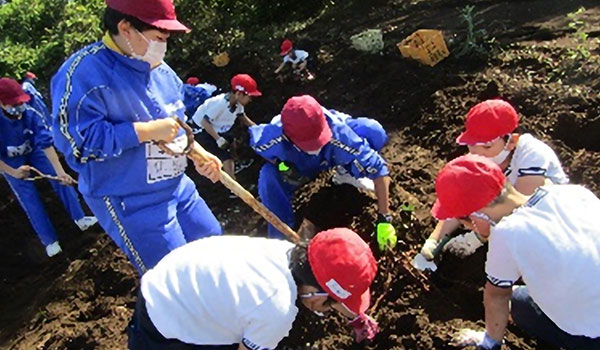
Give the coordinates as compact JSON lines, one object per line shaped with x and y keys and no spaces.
{"x":84,"y":298}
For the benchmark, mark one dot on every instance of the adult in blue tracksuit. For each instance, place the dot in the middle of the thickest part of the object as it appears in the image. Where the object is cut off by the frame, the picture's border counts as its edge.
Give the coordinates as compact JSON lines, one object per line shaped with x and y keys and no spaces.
{"x":110,"y":100}
{"x":307,"y":139}
{"x":37,"y":100}
{"x":25,"y":141}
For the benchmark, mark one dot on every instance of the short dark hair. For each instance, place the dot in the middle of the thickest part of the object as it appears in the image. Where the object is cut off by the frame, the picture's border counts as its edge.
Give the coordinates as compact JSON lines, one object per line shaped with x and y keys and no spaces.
{"x":300,"y":267}
{"x":113,"y":17}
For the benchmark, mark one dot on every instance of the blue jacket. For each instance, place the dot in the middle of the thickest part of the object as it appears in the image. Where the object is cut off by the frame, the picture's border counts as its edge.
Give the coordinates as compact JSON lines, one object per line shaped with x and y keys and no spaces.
{"x":193,"y":97}
{"x":20,"y":137}
{"x":345,"y":149}
{"x":97,"y":95}
{"x":37,"y":100}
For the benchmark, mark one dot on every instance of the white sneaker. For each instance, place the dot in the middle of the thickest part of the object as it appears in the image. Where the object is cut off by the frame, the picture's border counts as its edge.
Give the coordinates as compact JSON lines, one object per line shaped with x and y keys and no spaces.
{"x":86,"y":222}
{"x":53,"y":249}
{"x":341,"y":176}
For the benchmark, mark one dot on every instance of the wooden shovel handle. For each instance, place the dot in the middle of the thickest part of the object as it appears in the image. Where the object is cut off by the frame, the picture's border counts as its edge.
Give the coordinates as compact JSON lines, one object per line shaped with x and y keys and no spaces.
{"x":258,"y":207}
{"x":243,"y":194}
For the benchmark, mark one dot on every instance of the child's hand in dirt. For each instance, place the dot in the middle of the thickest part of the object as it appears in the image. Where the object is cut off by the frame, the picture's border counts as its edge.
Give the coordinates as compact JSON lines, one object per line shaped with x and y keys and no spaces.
{"x":364,"y":327}
{"x":464,"y":245}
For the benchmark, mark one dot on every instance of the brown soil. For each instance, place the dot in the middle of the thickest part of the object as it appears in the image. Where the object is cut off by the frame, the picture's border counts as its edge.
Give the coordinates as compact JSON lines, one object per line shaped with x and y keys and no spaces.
{"x":83,"y":298}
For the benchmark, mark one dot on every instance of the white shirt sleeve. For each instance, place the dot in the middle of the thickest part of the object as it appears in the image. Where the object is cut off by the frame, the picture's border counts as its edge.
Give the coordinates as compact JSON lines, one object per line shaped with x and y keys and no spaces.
{"x":211,"y":109}
{"x":301,"y":55}
{"x":269,"y":324}
{"x":500,"y":267}
{"x":534,"y":158}
{"x":240,"y":110}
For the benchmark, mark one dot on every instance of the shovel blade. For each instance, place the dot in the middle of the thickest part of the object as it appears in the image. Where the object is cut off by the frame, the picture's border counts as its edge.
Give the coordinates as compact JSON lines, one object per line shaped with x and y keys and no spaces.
{"x":419,"y":262}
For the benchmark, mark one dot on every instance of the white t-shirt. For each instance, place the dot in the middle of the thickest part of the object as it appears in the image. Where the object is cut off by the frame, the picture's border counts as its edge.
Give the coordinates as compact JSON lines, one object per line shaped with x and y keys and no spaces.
{"x":301,"y":55}
{"x":218,"y":112}
{"x":534,"y":157}
{"x":553,"y":243}
{"x":223,"y":290}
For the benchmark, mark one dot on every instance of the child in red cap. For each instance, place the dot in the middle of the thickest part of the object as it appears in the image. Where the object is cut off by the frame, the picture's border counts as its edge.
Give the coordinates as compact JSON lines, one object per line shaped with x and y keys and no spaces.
{"x":298,"y":59}
{"x":307,"y":139}
{"x":238,"y":292}
{"x":215,"y":117}
{"x":25,"y":142}
{"x":550,"y":240}
{"x":527,"y":162}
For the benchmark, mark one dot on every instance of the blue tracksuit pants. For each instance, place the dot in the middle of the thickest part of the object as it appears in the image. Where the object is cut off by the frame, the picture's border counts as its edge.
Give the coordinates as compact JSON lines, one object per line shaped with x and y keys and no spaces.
{"x":148,"y":226}
{"x":29,"y":198}
{"x":277,"y":195}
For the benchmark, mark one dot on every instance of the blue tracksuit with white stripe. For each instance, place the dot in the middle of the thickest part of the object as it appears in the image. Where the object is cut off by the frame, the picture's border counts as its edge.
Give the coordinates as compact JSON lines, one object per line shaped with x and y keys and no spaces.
{"x":37,"y":100}
{"x":354,"y":145}
{"x":141,"y":196}
{"x":22,"y":142}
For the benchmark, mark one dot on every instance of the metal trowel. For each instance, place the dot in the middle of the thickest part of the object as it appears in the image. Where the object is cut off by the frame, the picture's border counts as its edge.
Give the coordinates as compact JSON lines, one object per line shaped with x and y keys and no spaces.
{"x":421,"y":263}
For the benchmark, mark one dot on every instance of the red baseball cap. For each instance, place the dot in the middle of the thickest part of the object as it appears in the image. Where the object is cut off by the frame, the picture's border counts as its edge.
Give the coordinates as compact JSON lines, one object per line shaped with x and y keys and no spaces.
{"x":344,"y":267}
{"x":286,"y":47}
{"x":193,"y":81}
{"x":245,"y":83}
{"x":304,"y":123}
{"x":465,"y":185}
{"x":11,"y":92}
{"x":487,"y":121}
{"x":157,"y":13}
{"x":30,"y":75}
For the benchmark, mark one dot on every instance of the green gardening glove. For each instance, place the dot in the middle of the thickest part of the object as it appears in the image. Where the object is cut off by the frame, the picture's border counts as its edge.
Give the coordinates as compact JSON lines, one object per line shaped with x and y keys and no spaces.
{"x":290,"y":174}
{"x":386,"y":233}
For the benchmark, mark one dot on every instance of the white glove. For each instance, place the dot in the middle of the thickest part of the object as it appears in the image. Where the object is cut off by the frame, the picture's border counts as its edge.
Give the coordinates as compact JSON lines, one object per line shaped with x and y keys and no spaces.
{"x":464,"y":245}
{"x":428,"y":248}
{"x":470,"y":337}
{"x":222,"y":142}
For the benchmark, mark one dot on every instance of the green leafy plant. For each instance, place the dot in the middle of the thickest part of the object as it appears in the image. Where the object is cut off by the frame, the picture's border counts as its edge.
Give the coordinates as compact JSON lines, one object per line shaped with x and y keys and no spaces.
{"x":475,"y":40}
{"x":576,"y":58}
{"x":39,"y":35}
{"x":581,"y":50}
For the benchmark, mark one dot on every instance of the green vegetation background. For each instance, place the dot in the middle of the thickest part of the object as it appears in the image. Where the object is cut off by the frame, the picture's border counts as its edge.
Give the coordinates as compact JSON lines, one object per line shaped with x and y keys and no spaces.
{"x":38,"y":35}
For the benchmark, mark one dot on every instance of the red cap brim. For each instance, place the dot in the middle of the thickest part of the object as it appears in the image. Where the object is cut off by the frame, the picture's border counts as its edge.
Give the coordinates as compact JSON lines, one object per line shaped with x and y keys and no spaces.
{"x":255,"y":93}
{"x":467,"y":138}
{"x":438,"y":211}
{"x":283,"y":53}
{"x":360,"y":303}
{"x":22,"y":98}
{"x":171,"y":25}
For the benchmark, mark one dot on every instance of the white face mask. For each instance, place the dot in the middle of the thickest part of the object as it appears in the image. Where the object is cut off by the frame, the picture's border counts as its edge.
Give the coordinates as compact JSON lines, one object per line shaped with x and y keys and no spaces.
{"x":155,"y":53}
{"x":501,"y":157}
{"x":15,"y":110}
